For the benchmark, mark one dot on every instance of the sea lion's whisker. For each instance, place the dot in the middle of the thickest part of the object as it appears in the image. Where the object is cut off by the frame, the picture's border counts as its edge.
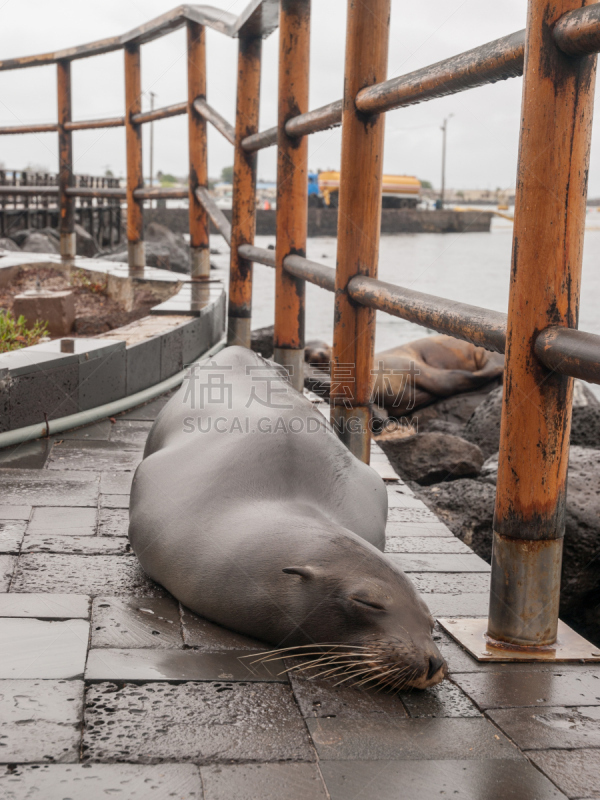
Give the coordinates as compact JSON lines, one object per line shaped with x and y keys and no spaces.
{"x":356,"y":673}
{"x":319,"y":662}
{"x":331,"y":672}
{"x":313,"y":645}
{"x":377,"y":676}
{"x":263,"y":659}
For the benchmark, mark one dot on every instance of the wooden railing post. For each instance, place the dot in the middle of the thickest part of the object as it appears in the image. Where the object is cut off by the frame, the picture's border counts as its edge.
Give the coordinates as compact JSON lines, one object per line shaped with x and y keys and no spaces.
{"x":135,"y":175}
{"x":243,"y":222}
{"x":66,"y":204}
{"x":292,"y":186}
{"x":550,"y":209}
{"x":198,"y":152}
{"x":359,"y":220}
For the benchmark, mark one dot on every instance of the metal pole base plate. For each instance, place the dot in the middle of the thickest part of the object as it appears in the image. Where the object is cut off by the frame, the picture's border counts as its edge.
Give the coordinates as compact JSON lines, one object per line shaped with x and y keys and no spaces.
{"x":472,"y":635}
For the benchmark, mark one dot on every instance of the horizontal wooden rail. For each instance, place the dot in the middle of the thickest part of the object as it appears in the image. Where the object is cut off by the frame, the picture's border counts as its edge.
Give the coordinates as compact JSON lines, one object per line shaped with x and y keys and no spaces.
{"x":565,"y":350}
{"x":570,"y":352}
{"x":95,"y":191}
{"x":252,"y":19}
{"x":480,"y":326}
{"x":218,"y":218}
{"x":321,"y":119}
{"x":86,"y":124}
{"x":491,"y":62}
{"x":43,"y":127}
{"x":311,"y":271}
{"x":159,"y":113}
{"x":28,"y":190}
{"x":577,"y":33}
{"x":161,"y":193}
{"x":259,"y":255}
{"x":258,"y":141}
{"x":216,"y":120}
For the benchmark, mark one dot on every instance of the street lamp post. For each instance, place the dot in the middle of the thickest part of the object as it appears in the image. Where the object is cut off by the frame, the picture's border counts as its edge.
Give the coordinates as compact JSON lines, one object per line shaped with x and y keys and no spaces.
{"x":443,"y":129}
{"x":152,"y":96}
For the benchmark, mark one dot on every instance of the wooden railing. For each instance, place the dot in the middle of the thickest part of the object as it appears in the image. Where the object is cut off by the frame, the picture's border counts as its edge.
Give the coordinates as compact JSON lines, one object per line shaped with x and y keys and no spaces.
{"x":544,"y":350}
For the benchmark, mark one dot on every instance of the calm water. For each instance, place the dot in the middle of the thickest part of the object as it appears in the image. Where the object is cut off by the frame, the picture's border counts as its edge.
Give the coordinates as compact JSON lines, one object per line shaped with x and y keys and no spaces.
{"x":470,"y":267}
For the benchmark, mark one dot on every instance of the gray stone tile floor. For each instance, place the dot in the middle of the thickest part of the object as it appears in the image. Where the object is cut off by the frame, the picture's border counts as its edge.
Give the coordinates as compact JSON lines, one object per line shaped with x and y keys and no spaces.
{"x":108,"y":687}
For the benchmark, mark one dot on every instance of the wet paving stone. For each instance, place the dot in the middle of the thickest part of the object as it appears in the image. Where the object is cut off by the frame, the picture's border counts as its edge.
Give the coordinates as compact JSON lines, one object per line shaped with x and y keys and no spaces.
{"x":32,"y":648}
{"x":209,"y":638}
{"x":11,"y":536}
{"x":550,"y":728}
{"x":129,"y":622}
{"x":59,"y":573}
{"x":425,"y":544}
{"x":443,"y":700}
{"x":63,"y":521}
{"x":114,"y":501}
{"x":432,"y":780}
{"x":47,"y":488}
{"x":320,"y":698}
{"x":263,"y":781}
{"x":45,"y":606}
{"x":133,"y":432}
{"x":439,"y":562}
{"x":575,"y":772}
{"x":15,"y":512}
{"x":200,"y":722}
{"x":99,"y":781}
{"x":116,"y":482}
{"x":8,"y":565}
{"x":145,"y":664}
{"x":98,"y":431}
{"x":86,"y":545}
{"x":113,"y":521}
{"x":27,"y":455}
{"x":451,"y":583}
{"x":40,"y":721}
{"x":458,"y":605}
{"x":373,"y":739}
{"x":433,"y":528}
{"x":93,"y":455}
{"x":518,"y":689}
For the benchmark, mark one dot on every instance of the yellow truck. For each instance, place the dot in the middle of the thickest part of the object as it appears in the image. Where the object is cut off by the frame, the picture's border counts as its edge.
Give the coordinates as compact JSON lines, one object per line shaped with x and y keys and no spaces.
{"x":398,"y":191}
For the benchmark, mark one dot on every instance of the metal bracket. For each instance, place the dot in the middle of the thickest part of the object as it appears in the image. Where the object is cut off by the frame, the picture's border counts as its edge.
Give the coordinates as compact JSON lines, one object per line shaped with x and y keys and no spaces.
{"x":472,"y":635}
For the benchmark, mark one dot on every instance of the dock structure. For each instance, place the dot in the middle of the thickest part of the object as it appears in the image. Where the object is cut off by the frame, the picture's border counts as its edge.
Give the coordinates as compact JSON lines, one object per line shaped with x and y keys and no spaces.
{"x":113,"y":684}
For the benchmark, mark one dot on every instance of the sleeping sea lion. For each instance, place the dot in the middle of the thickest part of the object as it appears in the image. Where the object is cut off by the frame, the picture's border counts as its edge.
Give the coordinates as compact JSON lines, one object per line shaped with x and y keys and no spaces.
{"x":252,"y":513}
{"x":416,"y":374}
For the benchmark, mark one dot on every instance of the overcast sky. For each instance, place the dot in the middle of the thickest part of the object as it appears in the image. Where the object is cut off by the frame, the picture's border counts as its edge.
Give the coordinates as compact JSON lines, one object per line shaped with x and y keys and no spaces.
{"x":482,"y":135}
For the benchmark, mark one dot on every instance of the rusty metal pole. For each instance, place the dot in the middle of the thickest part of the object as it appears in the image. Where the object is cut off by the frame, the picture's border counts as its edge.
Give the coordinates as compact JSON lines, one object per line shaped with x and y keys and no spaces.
{"x":243,"y":221}
{"x":550,"y":207}
{"x":66,"y":204}
{"x":292,"y":186}
{"x":135,"y":174}
{"x":198,"y":152}
{"x":359,"y":221}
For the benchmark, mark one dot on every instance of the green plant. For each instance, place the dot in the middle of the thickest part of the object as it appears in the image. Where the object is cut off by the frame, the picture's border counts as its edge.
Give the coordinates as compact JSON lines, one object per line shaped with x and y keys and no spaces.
{"x":14,"y":333}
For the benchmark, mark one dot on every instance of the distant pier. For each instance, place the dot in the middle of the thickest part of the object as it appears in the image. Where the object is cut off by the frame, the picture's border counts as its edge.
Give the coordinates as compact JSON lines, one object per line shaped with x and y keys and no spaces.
{"x":323,"y":221}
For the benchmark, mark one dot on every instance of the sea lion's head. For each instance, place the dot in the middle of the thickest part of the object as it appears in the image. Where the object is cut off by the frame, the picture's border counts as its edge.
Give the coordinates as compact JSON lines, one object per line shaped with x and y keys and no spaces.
{"x":360,"y":621}
{"x":318,"y":354}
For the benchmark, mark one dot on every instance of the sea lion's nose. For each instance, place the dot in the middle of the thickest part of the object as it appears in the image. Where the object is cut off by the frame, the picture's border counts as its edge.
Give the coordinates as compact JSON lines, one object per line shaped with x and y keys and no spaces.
{"x":435,"y":664}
